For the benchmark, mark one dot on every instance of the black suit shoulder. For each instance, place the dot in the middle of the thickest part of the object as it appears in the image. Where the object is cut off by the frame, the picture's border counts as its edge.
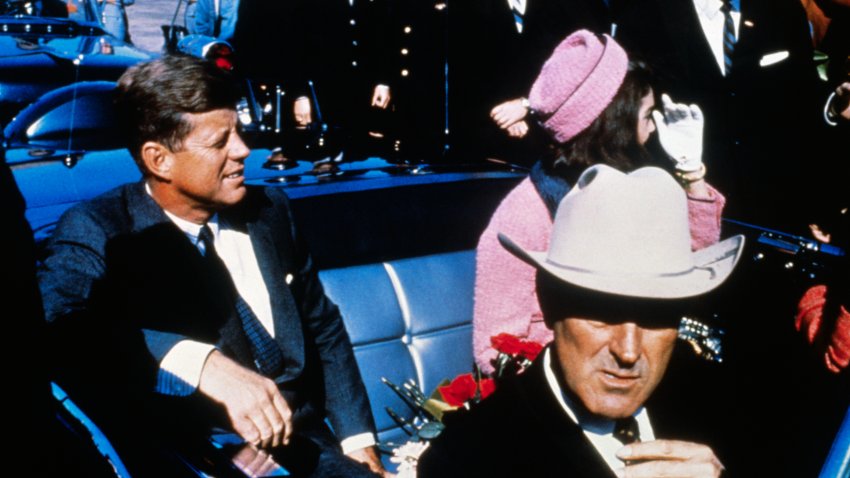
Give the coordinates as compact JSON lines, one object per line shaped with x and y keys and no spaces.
{"x":520,"y":430}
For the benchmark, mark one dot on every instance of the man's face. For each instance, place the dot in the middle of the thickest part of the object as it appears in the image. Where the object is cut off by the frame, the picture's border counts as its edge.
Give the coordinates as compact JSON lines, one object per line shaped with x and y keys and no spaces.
{"x":612,"y":367}
{"x":208,"y":171}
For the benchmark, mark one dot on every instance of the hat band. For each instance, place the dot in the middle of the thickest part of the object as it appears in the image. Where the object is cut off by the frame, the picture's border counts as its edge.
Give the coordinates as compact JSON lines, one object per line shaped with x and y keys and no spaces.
{"x":620,"y":274}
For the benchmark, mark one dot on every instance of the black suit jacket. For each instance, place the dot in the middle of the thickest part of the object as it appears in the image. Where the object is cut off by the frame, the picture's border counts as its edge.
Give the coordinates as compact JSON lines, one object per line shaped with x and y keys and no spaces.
{"x":122,"y":285}
{"x":762,"y":121}
{"x":522,"y":430}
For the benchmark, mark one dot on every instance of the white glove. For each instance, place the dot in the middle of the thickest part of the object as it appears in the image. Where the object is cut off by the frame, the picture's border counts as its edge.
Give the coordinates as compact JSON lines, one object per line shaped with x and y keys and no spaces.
{"x":680,"y":133}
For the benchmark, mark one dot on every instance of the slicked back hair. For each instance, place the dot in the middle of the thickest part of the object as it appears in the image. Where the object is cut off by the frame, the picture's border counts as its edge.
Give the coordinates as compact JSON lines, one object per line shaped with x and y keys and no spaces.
{"x":152,"y":100}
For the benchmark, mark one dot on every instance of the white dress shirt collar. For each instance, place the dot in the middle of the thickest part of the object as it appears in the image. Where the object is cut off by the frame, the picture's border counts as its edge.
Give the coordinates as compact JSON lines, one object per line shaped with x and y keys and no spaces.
{"x":712,"y":21}
{"x":599,"y":431}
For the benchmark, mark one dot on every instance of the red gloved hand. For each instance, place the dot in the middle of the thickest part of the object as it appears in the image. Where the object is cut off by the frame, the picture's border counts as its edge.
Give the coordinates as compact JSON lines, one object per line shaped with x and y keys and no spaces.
{"x":809,"y":319}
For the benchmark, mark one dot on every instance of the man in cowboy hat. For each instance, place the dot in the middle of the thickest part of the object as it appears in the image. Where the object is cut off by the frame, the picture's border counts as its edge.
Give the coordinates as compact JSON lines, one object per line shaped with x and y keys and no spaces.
{"x":617,"y":278}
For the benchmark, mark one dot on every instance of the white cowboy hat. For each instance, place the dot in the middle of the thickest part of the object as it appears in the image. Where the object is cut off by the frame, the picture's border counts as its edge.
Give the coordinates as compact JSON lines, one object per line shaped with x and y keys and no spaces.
{"x":628,"y":234}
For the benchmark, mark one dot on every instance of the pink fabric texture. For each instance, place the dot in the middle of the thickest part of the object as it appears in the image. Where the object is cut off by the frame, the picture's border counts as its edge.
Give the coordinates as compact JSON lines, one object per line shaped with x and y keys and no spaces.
{"x":505,"y":297}
{"x":577,"y":83}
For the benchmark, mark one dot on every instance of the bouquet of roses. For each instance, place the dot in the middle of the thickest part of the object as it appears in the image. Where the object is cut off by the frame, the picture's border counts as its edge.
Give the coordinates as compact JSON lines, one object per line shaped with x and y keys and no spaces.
{"x":464,"y":391}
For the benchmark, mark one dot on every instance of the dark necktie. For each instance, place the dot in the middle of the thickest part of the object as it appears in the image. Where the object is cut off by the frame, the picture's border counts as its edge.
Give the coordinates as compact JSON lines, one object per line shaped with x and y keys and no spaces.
{"x":267,"y":355}
{"x":728,"y":35}
{"x":626,"y":430}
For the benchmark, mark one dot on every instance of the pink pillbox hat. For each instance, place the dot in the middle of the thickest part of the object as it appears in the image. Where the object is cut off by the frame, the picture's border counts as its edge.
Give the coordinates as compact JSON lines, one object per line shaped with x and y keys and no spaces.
{"x":577,"y":83}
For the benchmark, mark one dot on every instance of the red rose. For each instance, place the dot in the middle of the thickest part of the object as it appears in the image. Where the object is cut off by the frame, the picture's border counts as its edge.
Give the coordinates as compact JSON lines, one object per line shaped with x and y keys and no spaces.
{"x":530,"y":349}
{"x":488,"y":386}
{"x":506,"y":343}
{"x":462,"y":389}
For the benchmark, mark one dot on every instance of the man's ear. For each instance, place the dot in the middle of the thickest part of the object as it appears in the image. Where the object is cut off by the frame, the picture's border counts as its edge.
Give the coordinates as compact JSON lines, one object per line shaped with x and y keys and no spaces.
{"x":158,"y":160}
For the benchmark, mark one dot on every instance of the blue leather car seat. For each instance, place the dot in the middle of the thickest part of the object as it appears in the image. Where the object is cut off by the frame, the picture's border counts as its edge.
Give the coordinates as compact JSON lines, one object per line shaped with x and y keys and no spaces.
{"x":408,"y":319}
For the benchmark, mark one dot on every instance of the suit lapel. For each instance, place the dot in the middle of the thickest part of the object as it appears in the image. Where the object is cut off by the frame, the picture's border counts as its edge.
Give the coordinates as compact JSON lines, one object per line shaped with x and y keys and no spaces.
{"x":564,"y":435}
{"x":689,"y":40}
{"x":147,"y":215}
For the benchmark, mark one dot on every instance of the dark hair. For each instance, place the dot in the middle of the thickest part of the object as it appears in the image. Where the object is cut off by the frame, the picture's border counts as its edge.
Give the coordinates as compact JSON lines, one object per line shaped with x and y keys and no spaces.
{"x":559,"y":300}
{"x":612,"y":137}
{"x":152,"y":98}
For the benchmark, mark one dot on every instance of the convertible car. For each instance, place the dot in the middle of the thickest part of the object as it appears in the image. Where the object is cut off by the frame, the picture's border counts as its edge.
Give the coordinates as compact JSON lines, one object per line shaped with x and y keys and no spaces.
{"x":394,"y":242}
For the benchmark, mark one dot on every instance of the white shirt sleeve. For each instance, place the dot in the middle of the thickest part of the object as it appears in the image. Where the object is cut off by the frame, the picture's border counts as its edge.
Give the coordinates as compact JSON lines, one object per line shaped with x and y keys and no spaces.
{"x":357,"y":442}
{"x":180,"y":369}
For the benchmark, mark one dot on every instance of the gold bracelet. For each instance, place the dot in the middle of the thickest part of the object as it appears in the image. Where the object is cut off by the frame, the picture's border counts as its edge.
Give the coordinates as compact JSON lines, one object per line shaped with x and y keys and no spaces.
{"x":691,"y":177}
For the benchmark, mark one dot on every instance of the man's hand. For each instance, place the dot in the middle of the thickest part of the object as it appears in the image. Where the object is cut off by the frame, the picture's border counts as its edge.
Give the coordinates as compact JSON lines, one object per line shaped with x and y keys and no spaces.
{"x":254,"y":405}
{"x":508,"y":113}
{"x":303,"y":112}
{"x":369,"y":457}
{"x":381,"y":96}
{"x":668,"y":458}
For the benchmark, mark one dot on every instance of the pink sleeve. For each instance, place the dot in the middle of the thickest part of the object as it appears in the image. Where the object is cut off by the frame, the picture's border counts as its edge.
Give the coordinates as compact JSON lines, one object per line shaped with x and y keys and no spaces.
{"x":505,"y":298}
{"x":704,"y":217}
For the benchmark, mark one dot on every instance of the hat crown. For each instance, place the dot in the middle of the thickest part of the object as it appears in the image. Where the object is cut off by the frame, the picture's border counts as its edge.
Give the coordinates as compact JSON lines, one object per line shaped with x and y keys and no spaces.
{"x":614,"y":224}
{"x":577,"y":82}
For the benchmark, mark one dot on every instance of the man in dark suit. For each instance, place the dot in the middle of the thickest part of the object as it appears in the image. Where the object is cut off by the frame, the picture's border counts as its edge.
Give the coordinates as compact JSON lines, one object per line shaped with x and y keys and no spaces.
{"x":618,"y":276}
{"x":350,"y":58}
{"x":186,"y":300}
{"x":757,"y":85}
{"x":342,"y":47}
{"x":496,"y":49}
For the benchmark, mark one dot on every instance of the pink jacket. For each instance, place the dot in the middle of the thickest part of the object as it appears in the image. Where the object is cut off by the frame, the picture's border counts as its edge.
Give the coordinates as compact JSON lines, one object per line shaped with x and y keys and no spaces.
{"x":505,"y":298}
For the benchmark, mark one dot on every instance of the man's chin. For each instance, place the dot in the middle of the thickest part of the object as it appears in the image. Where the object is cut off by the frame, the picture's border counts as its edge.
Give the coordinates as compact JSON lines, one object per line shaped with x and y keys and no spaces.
{"x":235,"y":196}
{"x":614,"y":407}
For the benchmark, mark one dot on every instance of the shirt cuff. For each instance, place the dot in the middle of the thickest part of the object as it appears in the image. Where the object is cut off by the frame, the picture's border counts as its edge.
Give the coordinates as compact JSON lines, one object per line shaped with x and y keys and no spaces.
{"x":357,"y":442}
{"x":180,"y":369}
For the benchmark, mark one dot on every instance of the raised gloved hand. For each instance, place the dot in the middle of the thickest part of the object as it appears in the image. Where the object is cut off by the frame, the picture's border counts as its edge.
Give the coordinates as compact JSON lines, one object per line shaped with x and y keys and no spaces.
{"x":680,"y":133}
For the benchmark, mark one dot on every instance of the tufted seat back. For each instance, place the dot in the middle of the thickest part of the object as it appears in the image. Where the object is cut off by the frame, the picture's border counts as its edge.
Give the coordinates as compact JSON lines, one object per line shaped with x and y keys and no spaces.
{"x":408,"y":319}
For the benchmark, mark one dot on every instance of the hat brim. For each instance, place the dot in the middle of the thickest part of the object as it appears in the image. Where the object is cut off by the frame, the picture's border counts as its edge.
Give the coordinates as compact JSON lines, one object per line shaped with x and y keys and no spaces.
{"x":712,"y":266}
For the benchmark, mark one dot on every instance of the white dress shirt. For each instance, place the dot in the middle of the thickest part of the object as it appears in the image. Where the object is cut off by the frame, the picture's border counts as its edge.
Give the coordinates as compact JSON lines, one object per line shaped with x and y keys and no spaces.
{"x":599,"y":431}
{"x":518,"y":9}
{"x":712,"y":21}
{"x":180,"y":369}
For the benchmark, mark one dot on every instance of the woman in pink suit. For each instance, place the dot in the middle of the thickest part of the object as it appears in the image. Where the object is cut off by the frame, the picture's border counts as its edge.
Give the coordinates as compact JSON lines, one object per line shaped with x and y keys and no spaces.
{"x":597,"y":107}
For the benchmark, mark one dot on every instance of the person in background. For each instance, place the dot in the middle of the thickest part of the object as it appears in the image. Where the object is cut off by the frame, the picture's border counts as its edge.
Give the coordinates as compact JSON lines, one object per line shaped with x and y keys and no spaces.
{"x":114,"y":17}
{"x":496,"y":49}
{"x":749,"y":65}
{"x":596,"y":107}
{"x":216,"y":18}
